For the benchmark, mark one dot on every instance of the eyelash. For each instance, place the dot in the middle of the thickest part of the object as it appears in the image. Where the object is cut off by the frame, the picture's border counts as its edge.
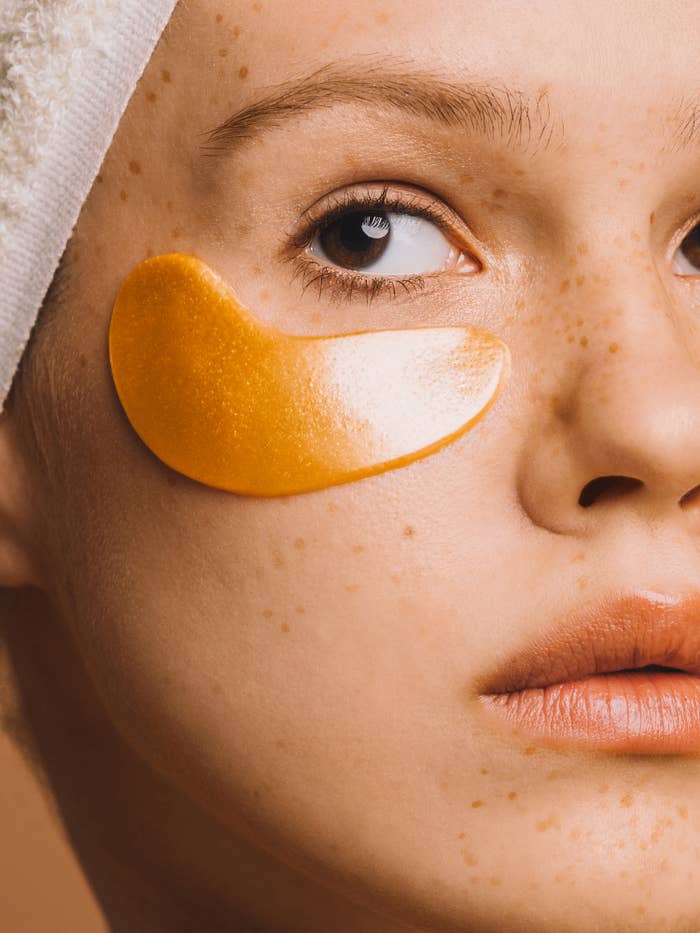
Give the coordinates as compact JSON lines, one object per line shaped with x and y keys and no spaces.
{"x":340,"y":284}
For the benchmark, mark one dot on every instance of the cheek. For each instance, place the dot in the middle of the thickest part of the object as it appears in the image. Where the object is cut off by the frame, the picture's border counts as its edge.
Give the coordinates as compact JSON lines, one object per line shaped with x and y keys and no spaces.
{"x":239,"y":406}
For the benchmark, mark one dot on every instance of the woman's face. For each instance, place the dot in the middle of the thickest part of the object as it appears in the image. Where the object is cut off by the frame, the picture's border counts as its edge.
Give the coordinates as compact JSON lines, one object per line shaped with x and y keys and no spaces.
{"x":309,"y":667}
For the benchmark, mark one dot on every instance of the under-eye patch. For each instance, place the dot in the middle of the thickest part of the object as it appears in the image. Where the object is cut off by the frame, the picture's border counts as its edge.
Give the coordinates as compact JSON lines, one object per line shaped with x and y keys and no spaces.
{"x":233,"y":403}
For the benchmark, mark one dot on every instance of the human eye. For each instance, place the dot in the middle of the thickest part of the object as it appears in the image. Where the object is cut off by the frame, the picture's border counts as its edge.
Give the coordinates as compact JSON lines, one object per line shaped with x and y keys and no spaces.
{"x":374,"y":242}
{"x":688,"y":252}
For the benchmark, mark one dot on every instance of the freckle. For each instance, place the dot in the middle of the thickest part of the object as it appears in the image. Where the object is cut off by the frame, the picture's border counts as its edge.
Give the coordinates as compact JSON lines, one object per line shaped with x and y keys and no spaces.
{"x":279,"y":743}
{"x":217,"y":690}
{"x":358,"y":548}
{"x":584,"y":341}
{"x":512,"y":795}
{"x":395,"y":577}
{"x":469,"y":859}
{"x":257,"y":7}
{"x":622,"y":182}
{"x":382,"y":18}
{"x":134,"y":167}
{"x":564,"y":286}
{"x":476,"y":804}
{"x":626,"y":801}
{"x":530,"y":750}
{"x":409,"y":531}
{"x":219,"y":17}
{"x":613,"y":348}
{"x":582,"y":249}
{"x":169,"y":206}
{"x":499,"y":193}
{"x":602,"y":127}
{"x":165,"y":76}
{"x":575,"y":834}
{"x":466,"y":179}
{"x":352,"y":587}
{"x":151,"y":97}
{"x":82,"y":360}
{"x":555,"y":775}
{"x":614,"y":162}
{"x":496,"y":882}
{"x":257,"y":270}
{"x":267,"y":613}
{"x":123,"y":195}
{"x":634,"y":235}
{"x":99,"y":179}
{"x":300,"y":610}
{"x":278,"y":561}
{"x":683,"y":813}
{"x":299,"y":544}
{"x":236,"y":31}
{"x":570,"y":338}
{"x":652,"y":216}
{"x":484,"y":771}
{"x":223,"y":53}
{"x":580,"y":279}
{"x":284,"y":627}
{"x":242,"y":72}
{"x":603,"y":788}
{"x":518,"y":172}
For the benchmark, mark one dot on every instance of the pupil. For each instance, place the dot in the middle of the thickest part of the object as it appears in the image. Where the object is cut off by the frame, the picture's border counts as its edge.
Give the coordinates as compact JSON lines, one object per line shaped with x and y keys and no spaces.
{"x":691,"y":246}
{"x":357,"y":239}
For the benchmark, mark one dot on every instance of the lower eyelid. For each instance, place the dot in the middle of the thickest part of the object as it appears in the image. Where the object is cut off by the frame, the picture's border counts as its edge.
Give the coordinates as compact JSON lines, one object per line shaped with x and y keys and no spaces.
{"x":344,"y":284}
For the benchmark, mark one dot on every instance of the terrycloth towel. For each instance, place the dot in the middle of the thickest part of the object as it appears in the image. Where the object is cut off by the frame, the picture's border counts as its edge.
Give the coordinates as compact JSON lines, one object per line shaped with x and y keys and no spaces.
{"x":67,"y":71}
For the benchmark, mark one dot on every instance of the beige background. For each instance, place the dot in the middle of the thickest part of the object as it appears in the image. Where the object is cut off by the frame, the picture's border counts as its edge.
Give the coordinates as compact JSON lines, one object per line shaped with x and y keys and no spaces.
{"x":42,"y":889}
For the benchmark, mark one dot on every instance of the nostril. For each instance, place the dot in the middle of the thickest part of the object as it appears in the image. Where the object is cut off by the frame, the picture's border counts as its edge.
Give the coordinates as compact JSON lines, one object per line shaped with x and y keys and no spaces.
{"x":606,"y":487}
{"x":690,"y":497}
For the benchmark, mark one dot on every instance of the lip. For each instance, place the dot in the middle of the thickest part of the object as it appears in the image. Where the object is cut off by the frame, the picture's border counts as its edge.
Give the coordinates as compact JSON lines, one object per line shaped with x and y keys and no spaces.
{"x":592,"y":679}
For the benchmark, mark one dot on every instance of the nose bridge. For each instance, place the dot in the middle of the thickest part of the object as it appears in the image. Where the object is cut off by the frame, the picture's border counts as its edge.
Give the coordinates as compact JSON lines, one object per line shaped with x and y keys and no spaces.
{"x":647,"y":384}
{"x":628,"y":402}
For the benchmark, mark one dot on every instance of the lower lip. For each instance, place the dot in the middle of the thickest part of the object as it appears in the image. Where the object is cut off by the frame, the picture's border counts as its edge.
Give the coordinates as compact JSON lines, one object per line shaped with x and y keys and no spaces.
{"x":637,"y":712}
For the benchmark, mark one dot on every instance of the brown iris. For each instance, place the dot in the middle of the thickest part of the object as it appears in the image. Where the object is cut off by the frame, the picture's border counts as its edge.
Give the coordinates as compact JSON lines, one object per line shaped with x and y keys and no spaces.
{"x":357,"y":239}
{"x":691,"y":247}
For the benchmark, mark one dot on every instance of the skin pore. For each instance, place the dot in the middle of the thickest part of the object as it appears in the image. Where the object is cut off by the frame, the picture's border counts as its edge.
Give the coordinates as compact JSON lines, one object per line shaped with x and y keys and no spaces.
{"x":262,"y":714}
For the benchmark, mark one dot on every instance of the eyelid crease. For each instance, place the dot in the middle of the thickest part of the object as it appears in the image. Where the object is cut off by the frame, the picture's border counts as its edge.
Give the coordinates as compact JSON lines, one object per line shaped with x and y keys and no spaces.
{"x":327,"y":209}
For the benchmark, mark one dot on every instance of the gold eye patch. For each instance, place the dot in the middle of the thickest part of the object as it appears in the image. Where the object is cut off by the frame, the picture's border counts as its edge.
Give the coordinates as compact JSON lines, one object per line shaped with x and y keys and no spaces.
{"x":233,"y":403}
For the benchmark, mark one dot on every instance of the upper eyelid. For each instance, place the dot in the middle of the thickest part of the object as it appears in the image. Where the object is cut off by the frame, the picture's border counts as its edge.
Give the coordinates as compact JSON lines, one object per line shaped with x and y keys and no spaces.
{"x":393,"y":195}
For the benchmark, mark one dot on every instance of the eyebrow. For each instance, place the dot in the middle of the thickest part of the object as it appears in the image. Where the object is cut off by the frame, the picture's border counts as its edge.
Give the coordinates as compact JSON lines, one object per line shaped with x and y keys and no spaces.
{"x":687,"y":133}
{"x":490,"y":110}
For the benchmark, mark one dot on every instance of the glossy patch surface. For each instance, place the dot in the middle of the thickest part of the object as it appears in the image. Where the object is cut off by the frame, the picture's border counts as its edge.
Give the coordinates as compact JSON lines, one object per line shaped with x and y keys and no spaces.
{"x":233,"y":403}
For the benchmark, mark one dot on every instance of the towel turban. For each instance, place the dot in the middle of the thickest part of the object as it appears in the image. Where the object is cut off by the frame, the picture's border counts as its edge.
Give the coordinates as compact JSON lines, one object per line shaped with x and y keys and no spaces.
{"x":67,"y":71}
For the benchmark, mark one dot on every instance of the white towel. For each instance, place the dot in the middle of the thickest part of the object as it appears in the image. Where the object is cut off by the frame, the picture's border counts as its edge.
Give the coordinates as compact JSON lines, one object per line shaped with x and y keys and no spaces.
{"x":67,"y":71}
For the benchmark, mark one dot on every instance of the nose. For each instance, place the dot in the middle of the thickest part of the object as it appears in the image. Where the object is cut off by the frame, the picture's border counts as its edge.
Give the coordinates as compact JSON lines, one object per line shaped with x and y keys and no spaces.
{"x":624,"y":435}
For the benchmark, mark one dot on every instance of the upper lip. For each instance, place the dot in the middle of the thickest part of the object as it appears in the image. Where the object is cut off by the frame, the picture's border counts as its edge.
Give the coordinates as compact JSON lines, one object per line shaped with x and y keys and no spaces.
{"x":619,"y":632}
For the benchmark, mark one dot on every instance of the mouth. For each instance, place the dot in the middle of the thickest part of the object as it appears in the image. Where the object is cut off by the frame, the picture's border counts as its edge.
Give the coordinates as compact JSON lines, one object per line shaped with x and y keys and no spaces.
{"x":622,"y":675}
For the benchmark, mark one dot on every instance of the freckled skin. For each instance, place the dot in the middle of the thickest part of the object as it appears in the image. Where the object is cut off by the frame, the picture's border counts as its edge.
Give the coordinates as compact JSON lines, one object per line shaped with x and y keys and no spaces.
{"x":372,"y":685}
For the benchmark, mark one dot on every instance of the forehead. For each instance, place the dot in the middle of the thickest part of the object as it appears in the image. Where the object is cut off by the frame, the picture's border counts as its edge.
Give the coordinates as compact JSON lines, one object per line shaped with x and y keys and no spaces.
{"x":598,"y":61}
